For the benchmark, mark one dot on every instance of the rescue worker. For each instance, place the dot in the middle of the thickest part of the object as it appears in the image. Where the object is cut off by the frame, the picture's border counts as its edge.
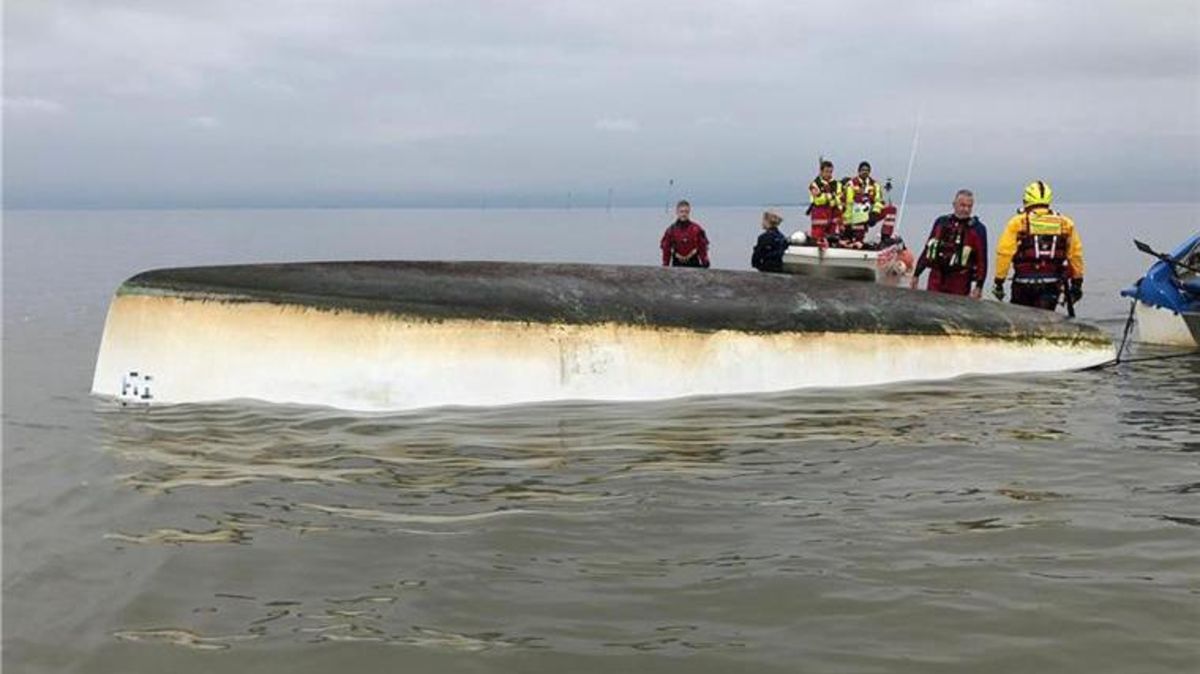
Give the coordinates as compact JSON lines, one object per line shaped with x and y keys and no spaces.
{"x":684,"y":244}
{"x":863,"y":204}
{"x":825,"y":205}
{"x":887,"y":227}
{"x":1044,"y":250}
{"x":768,"y":252}
{"x":953,"y":252}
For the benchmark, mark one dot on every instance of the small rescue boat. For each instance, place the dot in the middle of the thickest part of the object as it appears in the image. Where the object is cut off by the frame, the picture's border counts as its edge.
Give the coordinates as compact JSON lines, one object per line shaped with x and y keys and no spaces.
{"x":1167,"y":298}
{"x":873,"y":262}
{"x":805,"y":258}
{"x":883,"y":260}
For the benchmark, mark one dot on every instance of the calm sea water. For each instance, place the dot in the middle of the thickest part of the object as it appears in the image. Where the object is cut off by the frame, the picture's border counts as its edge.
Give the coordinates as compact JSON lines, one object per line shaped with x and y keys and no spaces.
{"x":1047,"y":523}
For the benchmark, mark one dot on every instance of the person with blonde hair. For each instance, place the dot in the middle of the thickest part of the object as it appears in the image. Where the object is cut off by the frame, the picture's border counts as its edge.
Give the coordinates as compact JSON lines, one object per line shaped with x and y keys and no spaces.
{"x":768,"y":252}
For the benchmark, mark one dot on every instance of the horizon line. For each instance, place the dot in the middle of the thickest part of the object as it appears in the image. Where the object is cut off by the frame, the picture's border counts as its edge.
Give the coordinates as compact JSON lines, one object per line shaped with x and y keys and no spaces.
{"x":483,"y":207}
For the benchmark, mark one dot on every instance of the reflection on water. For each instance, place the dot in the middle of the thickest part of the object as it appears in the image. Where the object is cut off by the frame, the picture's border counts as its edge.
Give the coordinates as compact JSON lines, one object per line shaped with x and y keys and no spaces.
{"x":1163,"y":415}
{"x":184,"y":638}
{"x":176,"y":536}
{"x":546,"y":527}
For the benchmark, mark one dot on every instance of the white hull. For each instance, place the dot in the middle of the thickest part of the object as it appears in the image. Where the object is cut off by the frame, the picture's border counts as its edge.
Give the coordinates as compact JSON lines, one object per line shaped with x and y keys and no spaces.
{"x":196,"y":350}
{"x":1155,"y":325}
{"x":838,"y":263}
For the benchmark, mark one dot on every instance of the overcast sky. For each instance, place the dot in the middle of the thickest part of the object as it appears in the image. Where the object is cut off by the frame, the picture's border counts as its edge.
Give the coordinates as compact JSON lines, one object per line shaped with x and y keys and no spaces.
{"x":114,"y":103}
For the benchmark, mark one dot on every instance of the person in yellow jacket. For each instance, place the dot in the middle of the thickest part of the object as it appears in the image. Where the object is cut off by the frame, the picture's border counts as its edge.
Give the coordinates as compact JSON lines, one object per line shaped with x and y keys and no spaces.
{"x":825,"y":205}
{"x":1044,"y":251}
{"x":863,"y":203}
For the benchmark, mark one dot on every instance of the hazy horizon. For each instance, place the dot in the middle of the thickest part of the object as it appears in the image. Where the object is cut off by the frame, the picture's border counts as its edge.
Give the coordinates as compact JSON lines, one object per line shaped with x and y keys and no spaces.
{"x":531,"y":206}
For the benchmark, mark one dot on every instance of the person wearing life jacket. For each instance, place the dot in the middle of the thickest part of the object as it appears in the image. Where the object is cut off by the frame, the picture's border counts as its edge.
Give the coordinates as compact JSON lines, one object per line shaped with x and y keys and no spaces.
{"x":1044,"y":250}
{"x":684,"y":244}
{"x":954,"y":252}
{"x":887,"y":225}
{"x":863,"y":204}
{"x":825,"y":205}
{"x":768,"y":252}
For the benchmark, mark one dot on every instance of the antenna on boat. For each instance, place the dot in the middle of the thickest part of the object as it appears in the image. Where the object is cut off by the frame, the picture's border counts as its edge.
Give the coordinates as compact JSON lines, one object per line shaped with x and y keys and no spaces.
{"x":912,"y":156}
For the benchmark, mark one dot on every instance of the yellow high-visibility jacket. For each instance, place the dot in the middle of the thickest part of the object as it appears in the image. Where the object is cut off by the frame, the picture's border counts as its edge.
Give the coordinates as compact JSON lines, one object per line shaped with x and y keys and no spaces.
{"x":858,"y":216}
{"x":1019,"y":227}
{"x":819,"y":196}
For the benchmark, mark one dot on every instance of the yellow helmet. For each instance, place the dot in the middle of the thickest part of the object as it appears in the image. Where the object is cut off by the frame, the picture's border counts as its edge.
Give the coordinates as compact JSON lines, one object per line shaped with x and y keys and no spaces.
{"x":1038,"y":193}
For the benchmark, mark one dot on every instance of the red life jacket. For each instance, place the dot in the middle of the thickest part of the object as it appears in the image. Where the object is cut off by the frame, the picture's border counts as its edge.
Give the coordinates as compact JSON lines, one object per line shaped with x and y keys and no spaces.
{"x":1042,"y":247}
{"x":864,"y":194}
{"x":948,"y":250}
{"x":888,"y":222}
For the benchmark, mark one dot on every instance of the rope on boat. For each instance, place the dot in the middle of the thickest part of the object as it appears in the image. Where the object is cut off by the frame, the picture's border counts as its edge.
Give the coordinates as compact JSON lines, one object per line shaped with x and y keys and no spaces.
{"x":1125,"y":340}
{"x":1128,"y":327}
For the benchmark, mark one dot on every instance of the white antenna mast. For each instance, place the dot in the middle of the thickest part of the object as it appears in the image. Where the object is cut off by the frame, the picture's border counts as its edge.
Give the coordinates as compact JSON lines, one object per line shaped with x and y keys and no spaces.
{"x":912,"y":156}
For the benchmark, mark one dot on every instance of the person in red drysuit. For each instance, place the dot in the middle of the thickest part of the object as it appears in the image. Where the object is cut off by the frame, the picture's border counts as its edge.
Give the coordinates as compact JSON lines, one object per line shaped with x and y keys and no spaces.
{"x":684,"y":244}
{"x":954,"y":252}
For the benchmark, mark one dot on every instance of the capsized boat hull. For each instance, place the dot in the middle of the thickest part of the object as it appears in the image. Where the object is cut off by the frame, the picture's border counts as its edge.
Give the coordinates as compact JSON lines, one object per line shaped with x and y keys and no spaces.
{"x":1158,"y":325}
{"x":403,"y":335}
{"x":1167,"y":299}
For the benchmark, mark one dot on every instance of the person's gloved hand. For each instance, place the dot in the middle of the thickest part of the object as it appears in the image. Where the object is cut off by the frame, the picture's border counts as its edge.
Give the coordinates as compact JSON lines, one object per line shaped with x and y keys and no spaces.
{"x":998,"y":289}
{"x":1076,"y":289}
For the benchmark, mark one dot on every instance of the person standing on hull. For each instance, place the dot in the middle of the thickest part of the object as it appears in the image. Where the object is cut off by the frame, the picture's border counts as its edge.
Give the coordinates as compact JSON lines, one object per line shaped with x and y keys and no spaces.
{"x":1045,"y":252}
{"x":684,"y":244}
{"x":954,"y":252}
{"x":825,"y":205}
{"x":864,"y":204}
{"x":768,"y":252}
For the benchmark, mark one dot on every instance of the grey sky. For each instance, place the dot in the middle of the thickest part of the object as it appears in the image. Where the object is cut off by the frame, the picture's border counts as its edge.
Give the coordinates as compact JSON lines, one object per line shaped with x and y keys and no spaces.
{"x":371,"y":102}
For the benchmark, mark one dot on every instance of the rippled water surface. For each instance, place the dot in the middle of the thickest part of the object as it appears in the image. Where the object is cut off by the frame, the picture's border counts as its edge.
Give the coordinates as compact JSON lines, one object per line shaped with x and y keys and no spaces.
{"x":1047,"y":523}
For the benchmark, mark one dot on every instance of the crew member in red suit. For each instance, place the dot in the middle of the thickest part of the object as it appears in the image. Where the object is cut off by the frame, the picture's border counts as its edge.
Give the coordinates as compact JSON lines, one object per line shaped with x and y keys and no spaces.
{"x":825,"y":206}
{"x":684,"y":244}
{"x":954,"y":252}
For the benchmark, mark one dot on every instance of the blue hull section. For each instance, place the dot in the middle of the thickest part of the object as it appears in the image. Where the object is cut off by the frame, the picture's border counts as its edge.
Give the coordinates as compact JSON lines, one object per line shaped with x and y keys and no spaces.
{"x":1167,"y":287}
